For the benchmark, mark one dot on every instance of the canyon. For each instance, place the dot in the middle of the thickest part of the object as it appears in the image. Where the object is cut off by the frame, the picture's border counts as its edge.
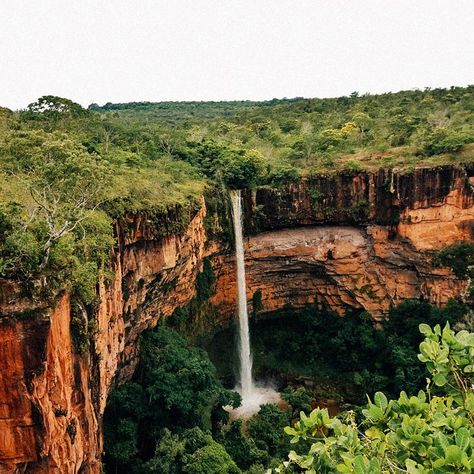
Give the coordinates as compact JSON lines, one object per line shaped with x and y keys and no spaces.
{"x":361,"y":240}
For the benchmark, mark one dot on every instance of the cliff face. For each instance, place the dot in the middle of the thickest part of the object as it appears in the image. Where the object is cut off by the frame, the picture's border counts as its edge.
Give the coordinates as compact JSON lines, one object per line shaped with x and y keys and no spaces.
{"x":48,"y":421}
{"x":435,"y":196}
{"x":355,"y":240}
{"x":375,"y":263}
{"x":339,"y":267}
{"x":52,"y":399}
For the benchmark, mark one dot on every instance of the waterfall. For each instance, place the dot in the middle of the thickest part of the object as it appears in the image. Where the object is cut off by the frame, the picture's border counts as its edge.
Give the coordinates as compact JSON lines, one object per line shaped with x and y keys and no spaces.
{"x":253,"y":395}
{"x":246,"y":382}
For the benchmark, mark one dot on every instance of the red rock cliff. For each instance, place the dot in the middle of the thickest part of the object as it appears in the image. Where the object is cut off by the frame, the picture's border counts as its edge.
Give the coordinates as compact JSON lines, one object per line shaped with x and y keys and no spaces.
{"x":368,"y":250}
{"x":52,"y":399}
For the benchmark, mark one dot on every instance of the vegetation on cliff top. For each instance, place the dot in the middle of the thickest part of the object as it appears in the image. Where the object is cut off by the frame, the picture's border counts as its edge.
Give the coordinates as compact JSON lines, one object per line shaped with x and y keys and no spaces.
{"x":63,"y":181}
{"x":66,"y":172}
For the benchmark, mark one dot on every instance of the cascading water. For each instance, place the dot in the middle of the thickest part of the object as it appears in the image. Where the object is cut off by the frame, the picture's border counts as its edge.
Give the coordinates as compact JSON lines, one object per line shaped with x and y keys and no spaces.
{"x":246,"y":382}
{"x":252,"y":395}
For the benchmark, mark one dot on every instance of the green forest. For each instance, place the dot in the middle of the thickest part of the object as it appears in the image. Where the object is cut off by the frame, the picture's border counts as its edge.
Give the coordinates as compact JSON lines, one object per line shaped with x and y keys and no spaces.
{"x":169,"y":418}
{"x":82,"y":168}
{"x":394,"y":397}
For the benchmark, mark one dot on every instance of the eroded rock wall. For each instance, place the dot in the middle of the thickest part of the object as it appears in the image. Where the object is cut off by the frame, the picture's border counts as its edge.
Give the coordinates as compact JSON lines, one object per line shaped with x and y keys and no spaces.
{"x":356,"y":240}
{"x":340,"y":267}
{"x":52,"y":398}
{"x":440,"y":195}
{"x":48,"y":421}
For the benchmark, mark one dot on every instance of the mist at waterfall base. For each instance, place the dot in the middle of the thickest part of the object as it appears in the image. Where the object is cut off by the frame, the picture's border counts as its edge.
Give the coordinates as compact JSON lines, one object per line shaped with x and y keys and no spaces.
{"x":253,"y":394}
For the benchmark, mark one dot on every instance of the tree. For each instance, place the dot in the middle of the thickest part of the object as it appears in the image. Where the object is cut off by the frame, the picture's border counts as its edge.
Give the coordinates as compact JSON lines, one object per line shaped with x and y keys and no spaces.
{"x":241,"y":168}
{"x":210,"y":459}
{"x":298,"y":400}
{"x":363,"y":121}
{"x":53,"y":107}
{"x":242,"y":447}
{"x":445,"y":140}
{"x":266,"y":429}
{"x":175,"y":386}
{"x":180,"y":381}
{"x":190,"y":452}
{"x":65,"y":182}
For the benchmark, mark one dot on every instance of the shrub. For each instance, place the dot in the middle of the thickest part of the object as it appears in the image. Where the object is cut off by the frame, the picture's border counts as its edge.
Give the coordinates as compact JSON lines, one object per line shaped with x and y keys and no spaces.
{"x":352,"y":165}
{"x":459,"y":257}
{"x":445,"y":140}
{"x":431,"y":432}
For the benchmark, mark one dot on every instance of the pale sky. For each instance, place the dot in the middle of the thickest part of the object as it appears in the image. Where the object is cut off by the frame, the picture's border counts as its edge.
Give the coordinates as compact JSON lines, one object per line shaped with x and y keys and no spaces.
{"x":132,"y":50}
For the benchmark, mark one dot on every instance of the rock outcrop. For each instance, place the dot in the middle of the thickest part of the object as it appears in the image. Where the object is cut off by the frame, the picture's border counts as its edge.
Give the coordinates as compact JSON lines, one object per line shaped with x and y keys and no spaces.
{"x":442,"y":195}
{"x":339,"y":267}
{"x":48,"y":421}
{"x":52,"y":397}
{"x":358,"y":240}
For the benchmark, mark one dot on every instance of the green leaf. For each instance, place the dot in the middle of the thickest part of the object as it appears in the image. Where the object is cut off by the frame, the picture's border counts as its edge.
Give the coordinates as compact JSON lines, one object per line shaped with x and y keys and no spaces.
{"x":292,"y":456}
{"x":425,"y":329}
{"x":439,"y":380}
{"x":439,"y":463}
{"x":374,"y":433}
{"x":412,"y":467}
{"x":463,"y":438}
{"x":381,"y":400}
{"x":454,"y":455}
{"x":360,"y":465}
{"x":469,"y":402}
{"x":343,"y":469}
{"x":441,"y":442}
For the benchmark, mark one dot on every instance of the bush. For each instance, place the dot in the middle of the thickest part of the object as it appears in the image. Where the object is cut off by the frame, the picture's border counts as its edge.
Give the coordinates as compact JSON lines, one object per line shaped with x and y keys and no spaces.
{"x":431,"y":432}
{"x":458,"y":257}
{"x":445,"y":140}
{"x":352,"y":165}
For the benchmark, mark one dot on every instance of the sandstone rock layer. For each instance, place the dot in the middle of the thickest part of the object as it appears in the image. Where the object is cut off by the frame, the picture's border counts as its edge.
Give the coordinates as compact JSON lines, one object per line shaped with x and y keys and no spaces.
{"x":357,"y":240}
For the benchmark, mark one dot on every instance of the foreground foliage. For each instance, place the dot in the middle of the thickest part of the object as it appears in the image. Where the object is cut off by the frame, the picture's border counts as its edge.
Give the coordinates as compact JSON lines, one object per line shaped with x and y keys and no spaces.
{"x":431,"y":432}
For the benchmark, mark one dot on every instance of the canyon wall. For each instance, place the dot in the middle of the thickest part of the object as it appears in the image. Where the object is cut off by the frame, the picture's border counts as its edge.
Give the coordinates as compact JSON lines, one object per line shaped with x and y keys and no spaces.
{"x":339,"y":267}
{"x":377,"y":255}
{"x":404,"y":201}
{"x":52,"y":397}
{"x":352,"y":240}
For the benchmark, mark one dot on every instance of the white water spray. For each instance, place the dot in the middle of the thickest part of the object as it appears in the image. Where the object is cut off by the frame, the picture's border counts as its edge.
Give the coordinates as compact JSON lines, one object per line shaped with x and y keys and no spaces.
{"x":252,"y":395}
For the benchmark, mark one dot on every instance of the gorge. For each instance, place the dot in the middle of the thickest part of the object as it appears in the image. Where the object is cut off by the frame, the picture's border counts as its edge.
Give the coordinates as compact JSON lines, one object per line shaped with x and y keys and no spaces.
{"x":361,"y":240}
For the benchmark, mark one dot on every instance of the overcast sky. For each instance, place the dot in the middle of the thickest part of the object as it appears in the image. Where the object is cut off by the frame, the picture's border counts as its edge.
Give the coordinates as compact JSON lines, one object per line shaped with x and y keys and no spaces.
{"x":132,"y":50}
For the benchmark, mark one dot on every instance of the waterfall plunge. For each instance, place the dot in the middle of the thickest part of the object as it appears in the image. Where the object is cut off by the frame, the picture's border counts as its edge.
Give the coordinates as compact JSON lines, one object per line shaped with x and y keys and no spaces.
{"x":252,"y":395}
{"x":246,"y":382}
